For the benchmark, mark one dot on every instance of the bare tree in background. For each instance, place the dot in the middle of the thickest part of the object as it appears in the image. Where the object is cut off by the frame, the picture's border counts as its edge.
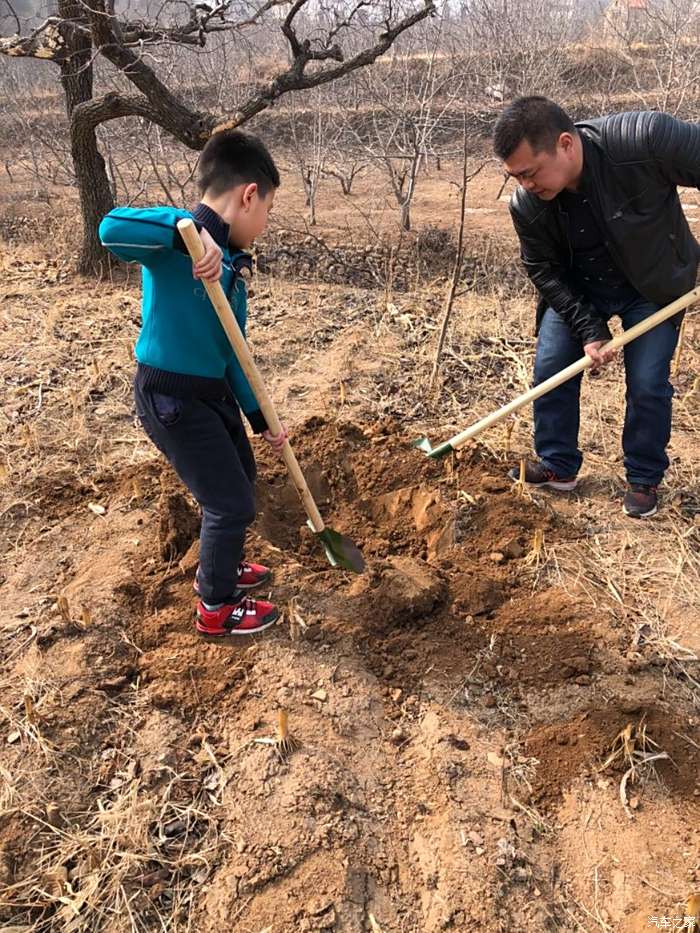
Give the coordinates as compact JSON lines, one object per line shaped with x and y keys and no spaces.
{"x":311,"y":142}
{"x":670,"y":76}
{"x":520,"y":48}
{"x":412,"y":97}
{"x":316,"y":35}
{"x":345,"y":167}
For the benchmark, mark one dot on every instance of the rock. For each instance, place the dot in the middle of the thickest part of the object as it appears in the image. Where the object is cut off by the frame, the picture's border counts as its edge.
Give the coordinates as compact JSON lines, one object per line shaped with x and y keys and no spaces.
{"x":475,"y":838}
{"x":318,"y":905}
{"x":440,"y":541}
{"x":495,"y":760}
{"x":460,"y":744}
{"x":494,"y":483}
{"x":320,"y":695}
{"x":398,"y":736}
{"x":53,"y":815}
{"x":174,"y":828}
{"x":410,"y":588}
{"x":578,"y":664}
{"x":513,"y":549}
{"x":497,"y":557}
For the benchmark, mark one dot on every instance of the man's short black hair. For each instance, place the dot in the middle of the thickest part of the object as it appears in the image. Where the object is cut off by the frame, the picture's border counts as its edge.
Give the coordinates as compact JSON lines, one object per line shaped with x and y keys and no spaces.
{"x":232,"y":158}
{"x":536,"y":119}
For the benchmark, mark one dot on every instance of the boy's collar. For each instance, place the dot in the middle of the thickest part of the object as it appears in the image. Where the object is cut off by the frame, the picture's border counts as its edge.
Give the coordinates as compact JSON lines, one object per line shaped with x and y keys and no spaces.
{"x":213,"y":223}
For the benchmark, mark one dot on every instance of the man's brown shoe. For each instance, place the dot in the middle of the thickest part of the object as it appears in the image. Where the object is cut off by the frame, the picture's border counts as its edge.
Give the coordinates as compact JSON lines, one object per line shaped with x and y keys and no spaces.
{"x":537,"y":474}
{"x":640,"y":501}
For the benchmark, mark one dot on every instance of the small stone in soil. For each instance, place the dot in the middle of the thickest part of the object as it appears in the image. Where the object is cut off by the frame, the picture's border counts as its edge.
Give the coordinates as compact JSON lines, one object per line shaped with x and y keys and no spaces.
{"x":398,"y":736}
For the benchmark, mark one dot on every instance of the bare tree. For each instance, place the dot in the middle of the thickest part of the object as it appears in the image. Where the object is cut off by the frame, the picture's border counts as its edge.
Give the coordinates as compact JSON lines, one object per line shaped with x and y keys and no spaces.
{"x":83,"y":33}
{"x":519,"y":48}
{"x":346,"y":168}
{"x":669,"y":77}
{"x":412,"y":96}
{"x":310,"y":143}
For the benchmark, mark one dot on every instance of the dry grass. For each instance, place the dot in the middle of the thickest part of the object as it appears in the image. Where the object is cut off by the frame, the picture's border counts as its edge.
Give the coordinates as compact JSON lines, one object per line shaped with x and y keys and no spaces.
{"x":131,"y":858}
{"x":127,"y":864}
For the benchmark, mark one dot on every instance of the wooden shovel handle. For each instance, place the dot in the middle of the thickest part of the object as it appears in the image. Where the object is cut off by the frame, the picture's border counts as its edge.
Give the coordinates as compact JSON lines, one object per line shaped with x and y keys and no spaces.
{"x":459,"y":440}
{"x":195,"y":247}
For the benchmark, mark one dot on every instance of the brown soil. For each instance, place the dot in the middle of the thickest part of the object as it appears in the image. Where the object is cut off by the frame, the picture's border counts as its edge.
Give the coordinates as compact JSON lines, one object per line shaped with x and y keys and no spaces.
{"x":454,"y":705}
{"x":405,"y":687}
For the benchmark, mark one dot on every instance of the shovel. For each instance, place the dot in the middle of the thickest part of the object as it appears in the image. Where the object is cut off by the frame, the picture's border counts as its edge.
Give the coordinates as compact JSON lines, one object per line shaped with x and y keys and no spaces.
{"x":340,"y":551}
{"x":459,"y":440}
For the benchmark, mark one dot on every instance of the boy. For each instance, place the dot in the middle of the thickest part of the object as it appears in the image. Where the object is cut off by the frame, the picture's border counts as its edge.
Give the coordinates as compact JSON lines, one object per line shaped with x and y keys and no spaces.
{"x":189,"y":384}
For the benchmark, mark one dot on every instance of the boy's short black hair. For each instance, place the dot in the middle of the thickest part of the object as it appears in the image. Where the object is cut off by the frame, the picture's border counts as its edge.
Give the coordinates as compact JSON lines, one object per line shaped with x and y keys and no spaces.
{"x":536,"y":119}
{"x":232,"y":158}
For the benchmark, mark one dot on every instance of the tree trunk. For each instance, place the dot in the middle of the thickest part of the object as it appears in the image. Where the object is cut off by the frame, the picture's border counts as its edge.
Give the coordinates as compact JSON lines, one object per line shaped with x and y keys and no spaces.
{"x":90,"y":172}
{"x":406,"y":214}
{"x":95,"y":196}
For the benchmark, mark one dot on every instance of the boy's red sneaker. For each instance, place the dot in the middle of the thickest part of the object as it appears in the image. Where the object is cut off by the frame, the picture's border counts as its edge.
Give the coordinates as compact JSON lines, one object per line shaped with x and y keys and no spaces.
{"x":249,"y":576}
{"x":241,"y":618}
{"x":252,"y":575}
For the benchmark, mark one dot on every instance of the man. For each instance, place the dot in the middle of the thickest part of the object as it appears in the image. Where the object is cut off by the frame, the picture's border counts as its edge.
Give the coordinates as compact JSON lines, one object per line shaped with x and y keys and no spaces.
{"x":602,"y":233}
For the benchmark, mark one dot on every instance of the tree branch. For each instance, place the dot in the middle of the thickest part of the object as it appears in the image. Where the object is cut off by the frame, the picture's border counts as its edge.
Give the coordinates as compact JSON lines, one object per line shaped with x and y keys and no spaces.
{"x":192,"y":127}
{"x":52,"y":41}
{"x":203,"y":20}
{"x":296,"y":79}
{"x":14,"y":15}
{"x":344,"y":23}
{"x":173,"y":115}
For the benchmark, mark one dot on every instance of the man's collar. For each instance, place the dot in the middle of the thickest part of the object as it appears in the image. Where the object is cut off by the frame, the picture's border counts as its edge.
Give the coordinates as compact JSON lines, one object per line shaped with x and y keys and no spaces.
{"x":587,"y":150}
{"x":213,"y":224}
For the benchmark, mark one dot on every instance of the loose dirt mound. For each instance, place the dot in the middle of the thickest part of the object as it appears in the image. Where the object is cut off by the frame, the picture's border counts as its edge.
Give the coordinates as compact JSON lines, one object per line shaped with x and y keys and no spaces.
{"x":433,"y":698}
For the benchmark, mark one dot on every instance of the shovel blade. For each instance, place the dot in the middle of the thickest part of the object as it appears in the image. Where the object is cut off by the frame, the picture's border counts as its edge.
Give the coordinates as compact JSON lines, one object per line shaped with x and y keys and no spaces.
{"x":340,"y":551}
{"x":433,"y":452}
{"x":423,"y":444}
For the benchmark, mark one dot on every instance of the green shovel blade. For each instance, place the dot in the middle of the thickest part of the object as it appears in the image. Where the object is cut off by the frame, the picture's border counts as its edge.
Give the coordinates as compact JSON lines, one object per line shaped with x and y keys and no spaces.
{"x":422,"y":444}
{"x":433,"y":452}
{"x":340,"y":551}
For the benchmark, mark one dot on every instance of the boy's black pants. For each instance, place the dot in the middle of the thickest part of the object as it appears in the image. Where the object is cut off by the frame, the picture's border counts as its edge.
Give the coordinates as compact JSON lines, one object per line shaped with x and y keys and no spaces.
{"x":206,"y":444}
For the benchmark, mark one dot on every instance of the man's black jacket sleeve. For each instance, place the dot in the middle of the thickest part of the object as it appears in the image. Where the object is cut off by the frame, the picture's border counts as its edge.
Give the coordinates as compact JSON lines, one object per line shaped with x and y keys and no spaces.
{"x":675,"y":146}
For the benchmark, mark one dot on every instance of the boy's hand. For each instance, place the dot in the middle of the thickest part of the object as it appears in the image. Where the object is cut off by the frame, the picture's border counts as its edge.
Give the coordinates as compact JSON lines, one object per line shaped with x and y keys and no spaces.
{"x":277,"y":443}
{"x":209,"y":266}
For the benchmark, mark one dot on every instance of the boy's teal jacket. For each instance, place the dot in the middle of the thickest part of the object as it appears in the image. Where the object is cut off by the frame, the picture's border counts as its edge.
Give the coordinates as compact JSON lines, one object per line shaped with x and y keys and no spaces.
{"x":180,"y":332}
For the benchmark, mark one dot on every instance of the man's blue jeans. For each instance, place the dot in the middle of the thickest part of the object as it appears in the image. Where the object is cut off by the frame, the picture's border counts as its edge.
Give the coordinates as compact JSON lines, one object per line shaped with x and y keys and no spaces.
{"x":647,"y":360}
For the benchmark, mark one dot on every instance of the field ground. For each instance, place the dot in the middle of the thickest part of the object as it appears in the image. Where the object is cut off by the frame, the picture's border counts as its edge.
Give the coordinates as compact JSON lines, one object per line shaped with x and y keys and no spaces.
{"x":470,"y":712}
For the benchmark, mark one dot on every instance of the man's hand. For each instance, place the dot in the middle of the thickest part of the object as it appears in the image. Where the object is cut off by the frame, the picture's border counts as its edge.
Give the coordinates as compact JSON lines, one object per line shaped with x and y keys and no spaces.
{"x":277,"y":443}
{"x":209,"y":266}
{"x":599,"y":357}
